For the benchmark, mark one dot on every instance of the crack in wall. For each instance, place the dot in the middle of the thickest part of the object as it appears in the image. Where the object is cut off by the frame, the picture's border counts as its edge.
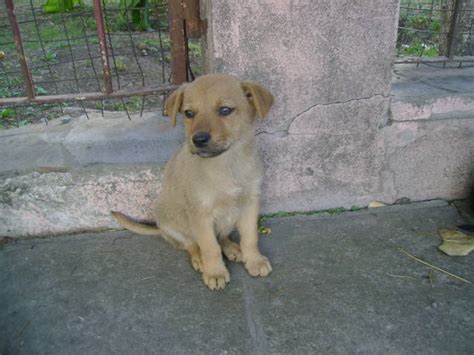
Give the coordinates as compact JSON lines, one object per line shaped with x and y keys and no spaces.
{"x":286,"y":131}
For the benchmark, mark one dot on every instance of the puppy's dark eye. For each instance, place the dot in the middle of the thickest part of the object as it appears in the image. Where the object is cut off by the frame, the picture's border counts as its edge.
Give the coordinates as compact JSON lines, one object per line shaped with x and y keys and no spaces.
{"x":189,"y":114}
{"x":225,"y":111}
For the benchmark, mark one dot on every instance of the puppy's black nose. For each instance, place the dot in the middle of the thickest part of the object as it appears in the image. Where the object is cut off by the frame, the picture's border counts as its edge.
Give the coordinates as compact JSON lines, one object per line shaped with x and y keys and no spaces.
{"x":200,"y":139}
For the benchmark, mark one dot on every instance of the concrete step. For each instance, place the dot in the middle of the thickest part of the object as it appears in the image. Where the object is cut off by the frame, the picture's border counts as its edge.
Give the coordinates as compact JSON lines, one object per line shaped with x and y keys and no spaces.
{"x":67,"y":176}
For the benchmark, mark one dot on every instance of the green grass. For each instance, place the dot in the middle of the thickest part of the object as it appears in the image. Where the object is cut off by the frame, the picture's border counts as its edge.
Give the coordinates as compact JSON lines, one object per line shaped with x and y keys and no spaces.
{"x":133,"y":104}
{"x":417,"y":49}
{"x":40,"y":90}
{"x":419,"y":34}
{"x":50,"y":56}
{"x":120,"y":63}
{"x":284,"y":214}
{"x":13,"y":87}
{"x":7,"y":112}
{"x":155,"y":42}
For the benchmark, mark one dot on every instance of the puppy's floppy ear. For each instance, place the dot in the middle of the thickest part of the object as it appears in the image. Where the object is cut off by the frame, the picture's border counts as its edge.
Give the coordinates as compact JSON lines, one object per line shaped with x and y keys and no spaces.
{"x":173,"y":104}
{"x":259,"y":97}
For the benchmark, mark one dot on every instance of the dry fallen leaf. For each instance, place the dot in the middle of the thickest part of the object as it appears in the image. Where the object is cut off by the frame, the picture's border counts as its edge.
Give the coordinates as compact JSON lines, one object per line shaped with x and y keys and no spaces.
{"x":375,"y":204}
{"x":456,"y":243}
{"x":264,"y":230}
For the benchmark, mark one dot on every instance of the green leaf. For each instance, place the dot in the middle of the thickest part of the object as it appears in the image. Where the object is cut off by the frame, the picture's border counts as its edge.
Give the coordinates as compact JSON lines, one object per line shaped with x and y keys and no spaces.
{"x":52,"y":6}
{"x":41,"y":91}
{"x":264,"y":230}
{"x":140,"y":12}
{"x":7,"y":112}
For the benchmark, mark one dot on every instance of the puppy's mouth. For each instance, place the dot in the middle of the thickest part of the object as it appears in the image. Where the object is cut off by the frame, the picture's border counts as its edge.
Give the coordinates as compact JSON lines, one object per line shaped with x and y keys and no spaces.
{"x":206,"y":153}
{"x":209,"y":152}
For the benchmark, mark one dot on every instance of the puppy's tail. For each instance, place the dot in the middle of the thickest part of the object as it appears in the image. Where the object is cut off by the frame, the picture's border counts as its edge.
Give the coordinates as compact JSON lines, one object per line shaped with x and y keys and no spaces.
{"x":135,"y":227}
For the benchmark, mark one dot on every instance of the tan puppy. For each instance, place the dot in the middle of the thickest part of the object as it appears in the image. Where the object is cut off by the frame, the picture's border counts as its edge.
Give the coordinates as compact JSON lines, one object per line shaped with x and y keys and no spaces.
{"x":211,"y":186}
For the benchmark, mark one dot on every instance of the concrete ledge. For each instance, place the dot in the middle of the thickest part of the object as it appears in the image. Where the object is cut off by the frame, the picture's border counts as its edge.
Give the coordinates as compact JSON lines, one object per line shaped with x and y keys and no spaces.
{"x":425,"y":93}
{"x":80,"y":141}
{"x":433,"y":108}
{"x":49,"y":201}
{"x":67,"y":176}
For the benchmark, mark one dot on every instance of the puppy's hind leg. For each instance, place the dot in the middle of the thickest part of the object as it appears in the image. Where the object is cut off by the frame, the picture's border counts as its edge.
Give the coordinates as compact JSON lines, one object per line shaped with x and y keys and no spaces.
{"x":230,"y":249}
{"x":195,"y":254}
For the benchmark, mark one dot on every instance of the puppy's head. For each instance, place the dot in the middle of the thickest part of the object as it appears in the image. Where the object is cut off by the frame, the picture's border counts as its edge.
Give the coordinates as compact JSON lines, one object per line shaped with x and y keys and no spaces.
{"x":219,"y":110}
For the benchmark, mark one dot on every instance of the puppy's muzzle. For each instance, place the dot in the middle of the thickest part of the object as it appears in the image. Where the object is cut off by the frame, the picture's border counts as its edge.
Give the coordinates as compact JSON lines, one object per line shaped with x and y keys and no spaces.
{"x":204,"y":147}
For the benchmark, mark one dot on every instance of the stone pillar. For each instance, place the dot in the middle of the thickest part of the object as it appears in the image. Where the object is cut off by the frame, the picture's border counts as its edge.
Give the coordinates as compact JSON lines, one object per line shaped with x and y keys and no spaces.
{"x":328,"y":64}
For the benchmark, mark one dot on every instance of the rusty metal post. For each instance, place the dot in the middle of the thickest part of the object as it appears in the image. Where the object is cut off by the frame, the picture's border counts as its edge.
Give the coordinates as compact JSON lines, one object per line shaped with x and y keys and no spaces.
{"x":25,"y":71}
{"x":194,"y":25}
{"x":178,"y":42}
{"x":99,"y":18}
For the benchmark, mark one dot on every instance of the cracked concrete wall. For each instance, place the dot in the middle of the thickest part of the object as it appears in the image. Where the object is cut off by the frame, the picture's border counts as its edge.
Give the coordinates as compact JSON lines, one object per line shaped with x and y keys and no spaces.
{"x":328,"y":63}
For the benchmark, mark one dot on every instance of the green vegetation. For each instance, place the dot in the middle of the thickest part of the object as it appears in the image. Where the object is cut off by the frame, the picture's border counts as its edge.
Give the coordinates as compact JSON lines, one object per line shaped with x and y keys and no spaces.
{"x":7,"y":112}
{"x":66,"y":28}
{"x":419,"y":29}
{"x":50,"y":56}
{"x":53,"y":6}
{"x":132,"y":104}
{"x":331,"y":211}
{"x":154,"y":43}
{"x":283,"y":214}
{"x":120,"y":63}
{"x":140,"y":12}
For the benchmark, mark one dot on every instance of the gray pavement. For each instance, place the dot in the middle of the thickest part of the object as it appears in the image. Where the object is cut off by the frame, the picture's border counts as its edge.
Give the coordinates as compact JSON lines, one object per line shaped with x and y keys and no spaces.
{"x":432,"y":80}
{"x":340,"y":285}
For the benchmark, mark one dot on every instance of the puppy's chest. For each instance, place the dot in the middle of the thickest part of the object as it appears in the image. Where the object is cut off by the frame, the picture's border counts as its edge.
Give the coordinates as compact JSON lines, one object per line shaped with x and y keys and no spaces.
{"x":229,"y":189}
{"x":228,"y":194}
{"x":226,"y":210}
{"x":233,"y":187}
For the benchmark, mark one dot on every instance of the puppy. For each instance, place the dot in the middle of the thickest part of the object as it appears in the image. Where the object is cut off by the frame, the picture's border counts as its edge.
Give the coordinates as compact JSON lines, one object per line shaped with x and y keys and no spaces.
{"x":211,"y":186}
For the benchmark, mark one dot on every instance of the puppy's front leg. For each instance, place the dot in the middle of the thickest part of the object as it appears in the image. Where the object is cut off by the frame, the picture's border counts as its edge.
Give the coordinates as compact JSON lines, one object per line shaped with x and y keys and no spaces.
{"x":255,"y":263}
{"x":215,"y":275}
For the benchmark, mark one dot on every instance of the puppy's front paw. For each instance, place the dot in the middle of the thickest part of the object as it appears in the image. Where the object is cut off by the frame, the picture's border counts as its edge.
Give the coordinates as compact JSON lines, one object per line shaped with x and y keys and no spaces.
{"x":258,"y":265}
{"x":217,"y":278}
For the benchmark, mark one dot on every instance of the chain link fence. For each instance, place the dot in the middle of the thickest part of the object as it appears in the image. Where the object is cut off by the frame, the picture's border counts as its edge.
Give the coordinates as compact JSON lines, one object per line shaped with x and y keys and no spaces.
{"x":436,"y":31}
{"x":57,"y":61}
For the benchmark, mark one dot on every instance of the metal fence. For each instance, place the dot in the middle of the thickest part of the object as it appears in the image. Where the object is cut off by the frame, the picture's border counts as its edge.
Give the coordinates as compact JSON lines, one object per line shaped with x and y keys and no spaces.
{"x":432,"y":31}
{"x":96,"y":56}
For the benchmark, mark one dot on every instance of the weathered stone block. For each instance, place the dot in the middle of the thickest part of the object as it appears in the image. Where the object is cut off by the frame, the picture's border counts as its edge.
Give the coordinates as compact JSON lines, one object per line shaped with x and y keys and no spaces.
{"x":82,"y":141}
{"x":431,"y":159}
{"x":332,"y":156}
{"x":45,"y":202}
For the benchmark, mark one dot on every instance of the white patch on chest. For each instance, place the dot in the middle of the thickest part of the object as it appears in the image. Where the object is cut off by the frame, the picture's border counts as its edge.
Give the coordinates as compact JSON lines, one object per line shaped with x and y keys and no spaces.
{"x":225,"y":218}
